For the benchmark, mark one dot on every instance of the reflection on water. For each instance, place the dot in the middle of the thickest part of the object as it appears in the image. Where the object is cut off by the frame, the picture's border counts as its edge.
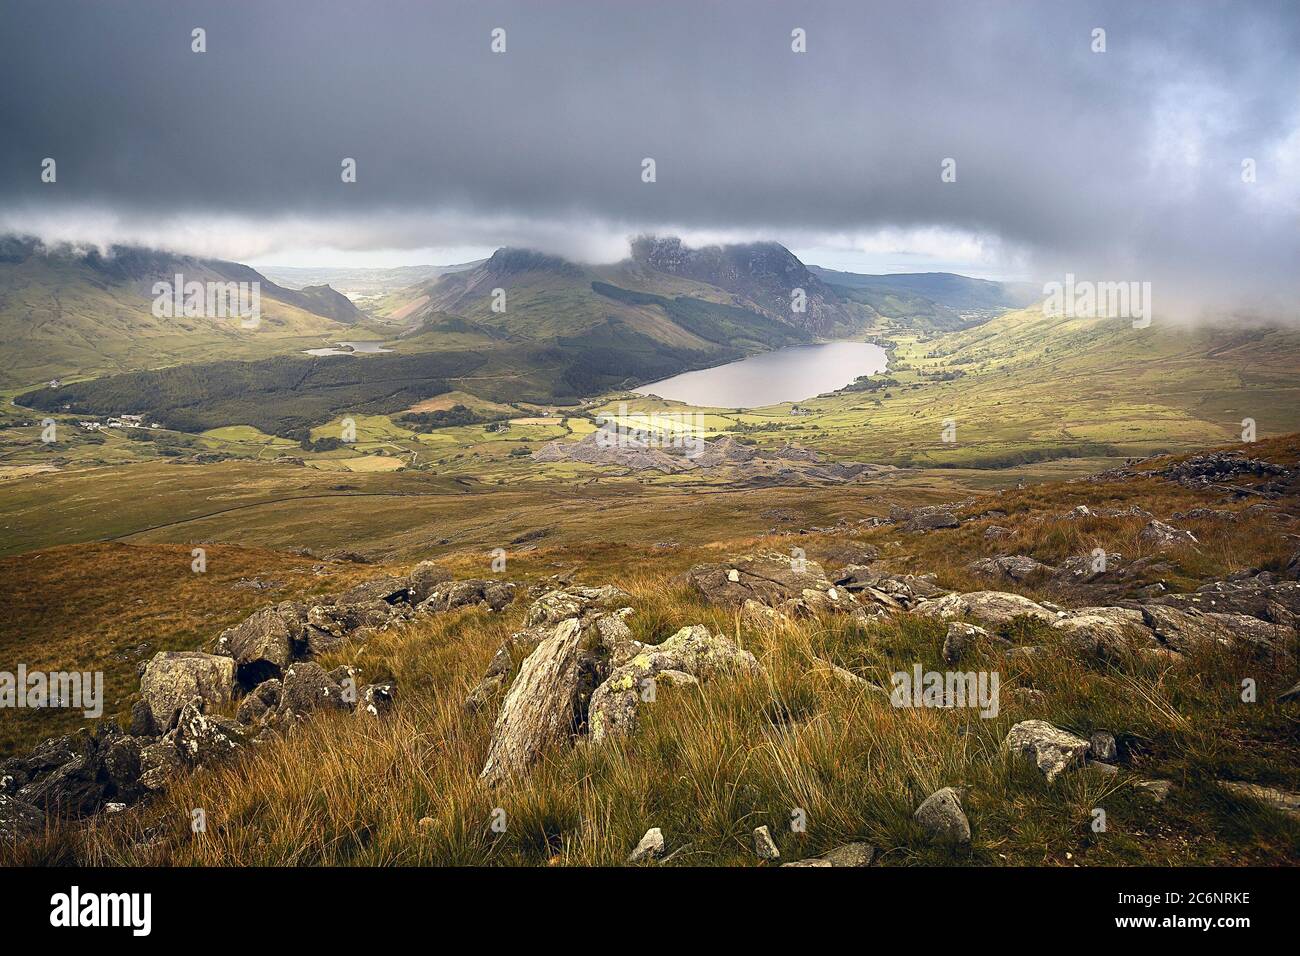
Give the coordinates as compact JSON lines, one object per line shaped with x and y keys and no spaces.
{"x":786,"y":375}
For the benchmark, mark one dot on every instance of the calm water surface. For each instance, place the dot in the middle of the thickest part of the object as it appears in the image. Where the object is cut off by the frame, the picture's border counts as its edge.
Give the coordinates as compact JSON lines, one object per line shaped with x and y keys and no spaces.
{"x":786,"y":375}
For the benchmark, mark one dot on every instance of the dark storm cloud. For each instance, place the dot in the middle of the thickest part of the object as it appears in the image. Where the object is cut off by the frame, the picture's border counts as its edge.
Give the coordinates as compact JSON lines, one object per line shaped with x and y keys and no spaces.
{"x":1127,"y":163}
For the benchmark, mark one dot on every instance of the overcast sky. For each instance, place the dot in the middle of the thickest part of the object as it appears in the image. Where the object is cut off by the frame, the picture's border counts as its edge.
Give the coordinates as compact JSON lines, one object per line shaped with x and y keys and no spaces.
{"x":1125,"y":164}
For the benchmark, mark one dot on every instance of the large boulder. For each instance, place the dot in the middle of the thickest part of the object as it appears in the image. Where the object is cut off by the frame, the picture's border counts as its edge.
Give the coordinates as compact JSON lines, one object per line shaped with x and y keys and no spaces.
{"x":769,"y":578}
{"x":1010,"y":567}
{"x":1192,"y":630}
{"x":1104,"y":631}
{"x":173,"y":678}
{"x":987,"y":607}
{"x":542,"y":706}
{"x":262,"y":646}
{"x":1051,"y":749}
{"x":691,"y":655}
{"x":424,"y":579}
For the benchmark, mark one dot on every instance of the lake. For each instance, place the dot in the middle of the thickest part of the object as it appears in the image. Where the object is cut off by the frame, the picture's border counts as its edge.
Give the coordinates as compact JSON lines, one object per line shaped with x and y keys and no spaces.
{"x":786,"y":375}
{"x":367,"y":347}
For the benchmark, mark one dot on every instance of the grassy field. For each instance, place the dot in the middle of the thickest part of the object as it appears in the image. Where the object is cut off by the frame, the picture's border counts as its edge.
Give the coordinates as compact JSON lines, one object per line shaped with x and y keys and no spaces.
{"x":711,"y":765}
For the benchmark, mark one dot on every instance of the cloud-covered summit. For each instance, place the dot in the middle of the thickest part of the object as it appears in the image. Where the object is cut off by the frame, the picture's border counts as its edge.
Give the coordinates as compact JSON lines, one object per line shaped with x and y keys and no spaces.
{"x":1125,"y":164}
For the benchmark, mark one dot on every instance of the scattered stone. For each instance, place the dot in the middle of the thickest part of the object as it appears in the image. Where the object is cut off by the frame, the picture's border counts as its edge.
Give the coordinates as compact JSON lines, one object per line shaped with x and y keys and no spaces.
{"x":942,"y":817}
{"x":261,"y":646}
{"x":1156,"y":790}
{"x":376,"y":700}
{"x":768,"y":578}
{"x":650,"y":847}
{"x":1162,"y":535}
{"x":1283,"y":801}
{"x":851,"y":854}
{"x":308,"y":688}
{"x":988,"y":607}
{"x":764,"y":846}
{"x":424,"y":579}
{"x":263,"y":700}
{"x":19,"y":819}
{"x":1102,"y":746}
{"x":1052,"y":749}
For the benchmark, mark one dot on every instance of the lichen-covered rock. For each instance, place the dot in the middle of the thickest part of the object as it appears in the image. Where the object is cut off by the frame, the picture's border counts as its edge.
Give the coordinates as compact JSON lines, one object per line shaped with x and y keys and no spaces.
{"x":987,"y":607}
{"x":307,"y":688}
{"x":160,"y":762}
{"x":942,"y":817}
{"x":1104,"y":632}
{"x":1052,"y":749}
{"x":1010,"y":567}
{"x":574,"y":601}
{"x":261,"y":646}
{"x":1189,"y":630}
{"x":377,"y":700}
{"x":203,"y":740}
{"x":768,"y":578}
{"x":174,"y":678}
{"x":541,"y":708}
{"x":19,"y":819}
{"x":651,"y":846}
{"x":692,"y":651}
{"x":960,"y":639}
{"x":764,"y":845}
{"x":1161,"y":535}
{"x":1102,"y":746}
{"x":850,"y":855}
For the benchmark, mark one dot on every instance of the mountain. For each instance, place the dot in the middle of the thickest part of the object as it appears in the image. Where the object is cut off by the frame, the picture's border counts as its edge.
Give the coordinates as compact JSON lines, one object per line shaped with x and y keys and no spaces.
{"x":934,"y":301}
{"x":68,"y":312}
{"x":763,"y":274}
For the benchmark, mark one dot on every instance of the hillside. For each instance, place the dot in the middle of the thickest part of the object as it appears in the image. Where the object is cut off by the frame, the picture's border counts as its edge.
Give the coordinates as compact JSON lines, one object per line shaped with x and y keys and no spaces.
{"x":65,"y":313}
{"x":1135,"y":672}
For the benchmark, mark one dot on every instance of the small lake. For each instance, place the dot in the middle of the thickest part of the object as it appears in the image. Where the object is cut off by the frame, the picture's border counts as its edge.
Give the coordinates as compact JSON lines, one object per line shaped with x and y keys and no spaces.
{"x":366,"y":347}
{"x":786,"y":375}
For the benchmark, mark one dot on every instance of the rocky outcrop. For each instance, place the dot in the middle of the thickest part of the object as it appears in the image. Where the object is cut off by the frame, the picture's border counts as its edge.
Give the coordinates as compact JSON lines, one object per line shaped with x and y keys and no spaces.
{"x":769,"y":578}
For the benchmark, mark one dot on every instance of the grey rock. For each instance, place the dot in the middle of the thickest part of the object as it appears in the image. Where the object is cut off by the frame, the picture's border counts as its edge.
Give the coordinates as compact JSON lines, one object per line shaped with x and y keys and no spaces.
{"x":1102,"y":746}
{"x":1052,"y":749}
{"x":174,"y":678}
{"x":764,"y":845}
{"x":942,"y":817}
{"x":650,"y":847}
